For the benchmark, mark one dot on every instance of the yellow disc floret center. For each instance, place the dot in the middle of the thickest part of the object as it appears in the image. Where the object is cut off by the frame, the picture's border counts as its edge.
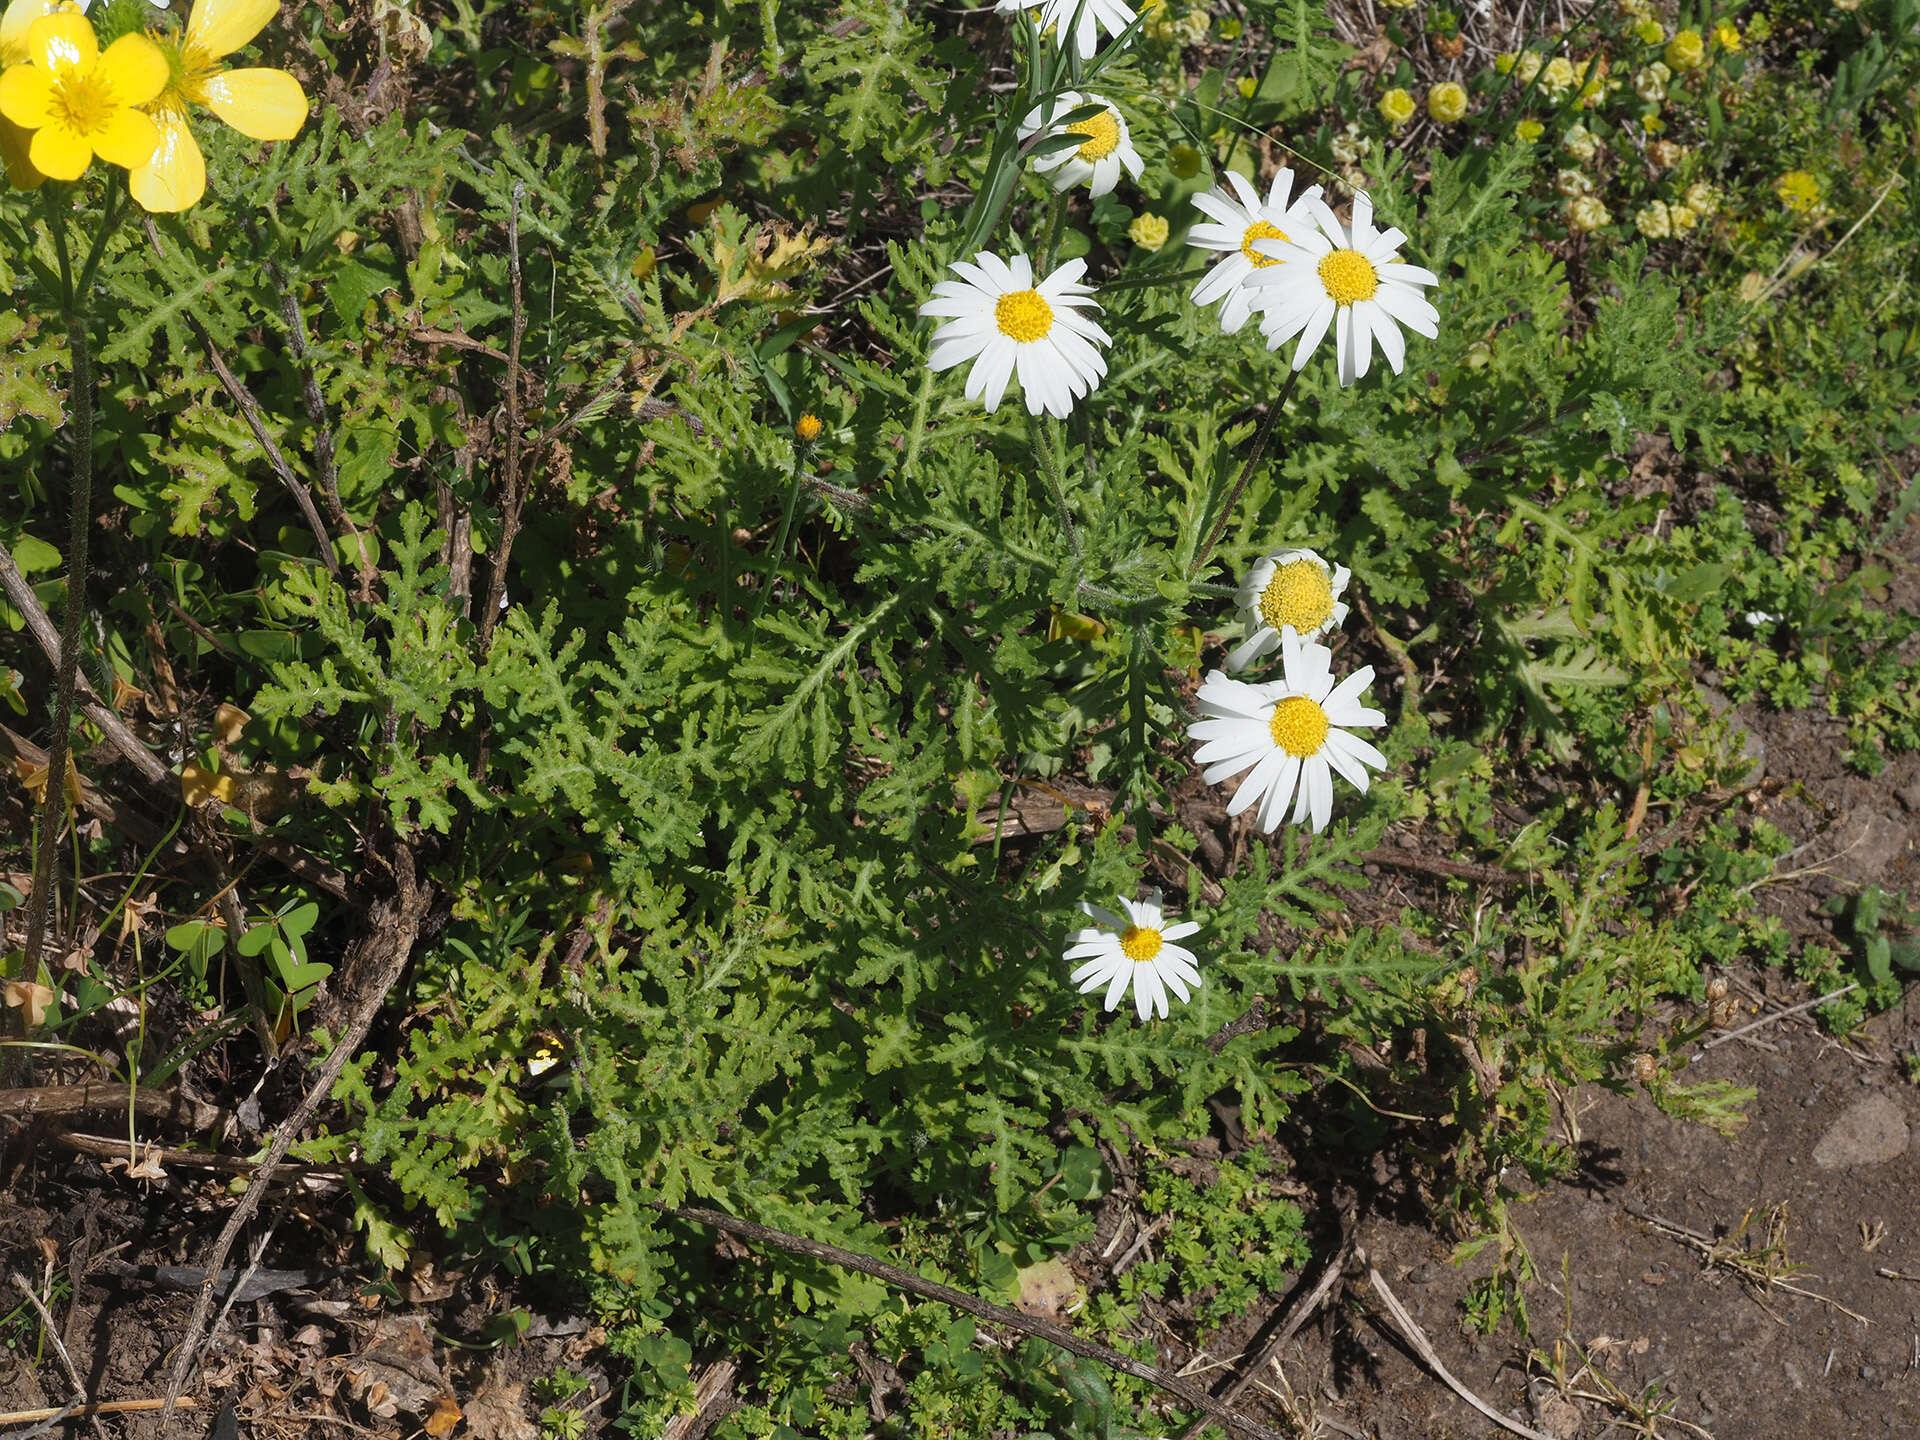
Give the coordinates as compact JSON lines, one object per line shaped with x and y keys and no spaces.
{"x":1260,"y":230}
{"x":1348,"y":276}
{"x":1140,"y":944}
{"x":190,"y":66}
{"x":1300,"y":594}
{"x":1103,"y":136}
{"x":1023,"y":315}
{"x":1298,"y":726}
{"x":83,"y":103}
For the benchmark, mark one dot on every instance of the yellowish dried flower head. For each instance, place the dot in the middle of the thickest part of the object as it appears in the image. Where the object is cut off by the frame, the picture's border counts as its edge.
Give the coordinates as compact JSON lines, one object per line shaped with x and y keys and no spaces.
{"x":1586,"y":213}
{"x":1396,"y":107}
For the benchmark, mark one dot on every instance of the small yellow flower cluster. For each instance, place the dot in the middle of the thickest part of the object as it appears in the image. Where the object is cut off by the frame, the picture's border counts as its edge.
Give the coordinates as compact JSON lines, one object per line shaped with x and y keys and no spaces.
{"x":1799,"y":190}
{"x":1396,"y":107}
{"x":1650,"y":31}
{"x":1727,"y":36}
{"x":1447,"y":102}
{"x":1188,"y":29}
{"x":1664,"y":218}
{"x":64,"y":101}
{"x":1149,"y":232}
{"x":1528,"y":131}
{"x":1686,"y":51}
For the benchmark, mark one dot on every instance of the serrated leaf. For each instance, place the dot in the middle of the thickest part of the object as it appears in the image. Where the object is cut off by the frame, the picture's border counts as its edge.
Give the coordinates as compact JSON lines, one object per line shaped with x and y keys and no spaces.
{"x":30,"y":364}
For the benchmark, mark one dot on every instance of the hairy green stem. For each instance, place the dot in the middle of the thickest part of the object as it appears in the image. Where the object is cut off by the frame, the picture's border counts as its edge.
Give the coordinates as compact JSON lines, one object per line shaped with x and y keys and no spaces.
{"x":53,"y":807}
{"x":1050,"y":468}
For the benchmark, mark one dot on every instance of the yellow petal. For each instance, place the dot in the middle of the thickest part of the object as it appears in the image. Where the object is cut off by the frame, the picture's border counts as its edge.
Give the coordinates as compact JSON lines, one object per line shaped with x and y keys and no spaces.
{"x":26,"y":96}
{"x":220,"y":27}
{"x":14,"y":24}
{"x":260,"y":104}
{"x":128,"y":139}
{"x":13,"y":152}
{"x":176,"y":176}
{"x":59,"y":153}
{"x":135,"y":68}
{"x":61,"y":42}
{"x":197,"y":786}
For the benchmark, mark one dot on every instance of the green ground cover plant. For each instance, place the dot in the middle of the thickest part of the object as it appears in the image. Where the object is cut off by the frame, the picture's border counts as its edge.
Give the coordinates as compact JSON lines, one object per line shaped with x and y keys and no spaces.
{"x":715,"y":546}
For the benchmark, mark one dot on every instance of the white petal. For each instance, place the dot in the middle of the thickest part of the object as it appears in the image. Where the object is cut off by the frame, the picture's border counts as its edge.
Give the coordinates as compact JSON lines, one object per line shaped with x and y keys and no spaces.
{"x":1314,"y":332}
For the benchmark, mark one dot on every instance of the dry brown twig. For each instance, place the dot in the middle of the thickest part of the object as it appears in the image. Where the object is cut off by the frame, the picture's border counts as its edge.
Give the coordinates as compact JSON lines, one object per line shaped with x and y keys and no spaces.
{"x":980,"y":1309}
{"x":1423,"y":1347}
{"x":1298,"y":1316}
{"x":52,"y":1332}
{"x":393,"y":927}
{"x":1760,"y":1269}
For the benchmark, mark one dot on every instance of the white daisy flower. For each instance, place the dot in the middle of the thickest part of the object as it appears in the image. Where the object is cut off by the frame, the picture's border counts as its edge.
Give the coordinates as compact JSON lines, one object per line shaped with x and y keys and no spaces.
{"x":1006,"y":323}
{"x":1097,"y":162}
{"x":1289,"y":588}
{"x":1240,"y":219}
{"x":1351,"y":279}
{"x":1289,"y":732}
{"x":1087,"y":17}
{"x":1137,"y":949}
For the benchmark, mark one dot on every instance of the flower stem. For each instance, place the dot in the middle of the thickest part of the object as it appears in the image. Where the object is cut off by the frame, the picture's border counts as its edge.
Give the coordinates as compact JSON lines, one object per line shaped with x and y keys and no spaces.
{"x":53,"y":807}
{"x":1246,"y":473}
{"x":1042,"y":438}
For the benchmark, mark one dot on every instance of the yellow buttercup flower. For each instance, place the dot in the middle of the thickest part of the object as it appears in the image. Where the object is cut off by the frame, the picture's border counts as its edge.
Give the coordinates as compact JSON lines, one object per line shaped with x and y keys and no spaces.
{"x":80,"y":102}
{"x":14,"y":141}
{"x":261,"y":103}
{"x":1727,"y":36}
{"x":1396,"y":107}
{"x":1528,"y":131}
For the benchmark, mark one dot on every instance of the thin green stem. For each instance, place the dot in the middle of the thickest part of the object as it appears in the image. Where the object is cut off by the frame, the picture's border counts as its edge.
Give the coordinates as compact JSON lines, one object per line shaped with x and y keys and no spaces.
{"x":109,"y":222}
{"x":53,"y":808}
{"x":1056,"y":212}
{"x":1042,"y":436}
{"x":779,"y":556}
{"x":1143,"y":282}
{"x":1246,"y":473}
{"x":57,"y":228}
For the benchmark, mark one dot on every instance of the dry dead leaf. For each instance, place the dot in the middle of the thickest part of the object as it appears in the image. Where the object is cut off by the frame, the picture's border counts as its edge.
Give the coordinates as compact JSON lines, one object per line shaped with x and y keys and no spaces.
{"x":446,"y":1415}
{"x":499,"y":1412}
